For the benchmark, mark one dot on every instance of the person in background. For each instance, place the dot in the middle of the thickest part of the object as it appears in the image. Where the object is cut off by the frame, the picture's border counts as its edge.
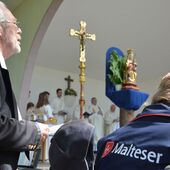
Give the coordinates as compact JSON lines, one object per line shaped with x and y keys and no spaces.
{"x":86,"y":116}
{"x":47,"y":93}
{"x":111,"y":120}
{"x":43,"y":109}
{"x":16,"y":134}
{"x":57,"y":105}
{"x":96,"y":119}
{"x":143,"y":143}
{"x":30,"y":112}
{"x":76,"y":112}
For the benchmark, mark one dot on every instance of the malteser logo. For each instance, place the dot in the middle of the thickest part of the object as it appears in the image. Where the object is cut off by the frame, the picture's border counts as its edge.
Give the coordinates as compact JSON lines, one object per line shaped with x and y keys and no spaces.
{"x":132,"y":151}
{"x":108,"y":148}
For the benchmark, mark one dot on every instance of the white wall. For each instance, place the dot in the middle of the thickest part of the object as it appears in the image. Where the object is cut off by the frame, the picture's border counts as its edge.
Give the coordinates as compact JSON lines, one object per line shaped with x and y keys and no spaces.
{"x":45,"y":79}
{"x":150,"y":87}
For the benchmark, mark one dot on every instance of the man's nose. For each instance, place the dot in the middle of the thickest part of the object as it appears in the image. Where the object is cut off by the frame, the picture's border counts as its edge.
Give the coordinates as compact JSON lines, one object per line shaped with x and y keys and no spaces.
{"x":19,"y":30}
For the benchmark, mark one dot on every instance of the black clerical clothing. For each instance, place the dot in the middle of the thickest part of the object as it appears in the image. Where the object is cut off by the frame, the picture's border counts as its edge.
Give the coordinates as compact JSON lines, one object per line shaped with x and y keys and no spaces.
{"x":15,"y":136}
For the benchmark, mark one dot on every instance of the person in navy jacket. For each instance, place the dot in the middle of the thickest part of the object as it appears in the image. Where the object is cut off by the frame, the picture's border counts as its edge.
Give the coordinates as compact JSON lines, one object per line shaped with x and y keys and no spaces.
{"x":144,"y":143}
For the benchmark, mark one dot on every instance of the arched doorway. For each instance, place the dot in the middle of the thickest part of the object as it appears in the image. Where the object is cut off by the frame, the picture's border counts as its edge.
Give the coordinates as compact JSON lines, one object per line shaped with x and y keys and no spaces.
{"x":24,"y":91}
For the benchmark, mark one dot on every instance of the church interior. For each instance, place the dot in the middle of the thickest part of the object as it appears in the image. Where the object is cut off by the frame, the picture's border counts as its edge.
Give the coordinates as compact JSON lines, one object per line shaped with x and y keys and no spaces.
{"x":49,"y":54}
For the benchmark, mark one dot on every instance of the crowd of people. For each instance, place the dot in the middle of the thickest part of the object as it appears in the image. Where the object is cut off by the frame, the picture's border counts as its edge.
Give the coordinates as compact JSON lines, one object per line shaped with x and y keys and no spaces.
{"x":54,"y":111}
{"x":141,"y":144}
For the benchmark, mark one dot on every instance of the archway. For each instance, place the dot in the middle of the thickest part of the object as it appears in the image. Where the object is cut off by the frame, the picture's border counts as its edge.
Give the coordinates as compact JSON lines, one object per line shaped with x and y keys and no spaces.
{"x":55,"y":4}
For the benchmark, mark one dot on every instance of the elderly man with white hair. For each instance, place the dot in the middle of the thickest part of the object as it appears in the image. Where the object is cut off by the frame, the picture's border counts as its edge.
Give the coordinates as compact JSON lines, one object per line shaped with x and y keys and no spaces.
{"x":15,"y":134}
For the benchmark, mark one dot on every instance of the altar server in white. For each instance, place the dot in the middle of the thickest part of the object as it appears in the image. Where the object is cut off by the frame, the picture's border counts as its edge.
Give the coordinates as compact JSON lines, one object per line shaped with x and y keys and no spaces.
{"x":57,"y":105}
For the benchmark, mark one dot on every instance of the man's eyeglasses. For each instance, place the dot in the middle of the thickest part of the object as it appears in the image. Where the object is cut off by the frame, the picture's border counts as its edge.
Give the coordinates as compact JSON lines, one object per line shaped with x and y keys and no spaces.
{"x":11,"y":22}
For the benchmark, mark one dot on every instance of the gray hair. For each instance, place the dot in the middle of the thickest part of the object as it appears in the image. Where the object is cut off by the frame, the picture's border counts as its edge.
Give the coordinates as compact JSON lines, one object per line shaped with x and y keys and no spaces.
{"x":163,"y":93}
{"x":3,"y":17}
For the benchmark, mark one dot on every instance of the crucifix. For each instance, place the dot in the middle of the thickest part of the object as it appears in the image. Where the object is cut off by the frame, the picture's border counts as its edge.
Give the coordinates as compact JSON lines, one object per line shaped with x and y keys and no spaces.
{"x":83,"y":36}
{"x":69,"y":80}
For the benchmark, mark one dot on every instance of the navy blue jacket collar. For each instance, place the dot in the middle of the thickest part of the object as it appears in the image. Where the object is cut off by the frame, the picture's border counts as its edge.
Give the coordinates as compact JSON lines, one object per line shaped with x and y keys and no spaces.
{"x":157,"y":108}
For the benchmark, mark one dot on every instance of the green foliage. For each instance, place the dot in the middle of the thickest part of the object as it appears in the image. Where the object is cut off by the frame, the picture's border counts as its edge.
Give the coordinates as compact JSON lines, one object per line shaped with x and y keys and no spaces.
{"x":70,"y":92}
{"x":116,"y":67}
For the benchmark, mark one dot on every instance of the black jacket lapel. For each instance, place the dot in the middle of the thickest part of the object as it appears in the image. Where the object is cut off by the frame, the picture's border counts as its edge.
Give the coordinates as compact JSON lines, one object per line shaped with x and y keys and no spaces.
{"x":8,"y":93}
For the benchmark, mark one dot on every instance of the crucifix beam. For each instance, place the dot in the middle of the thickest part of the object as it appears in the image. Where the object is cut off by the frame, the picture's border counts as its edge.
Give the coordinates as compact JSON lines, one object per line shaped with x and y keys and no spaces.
{"x":69,"y":80}
{"x":83,"y":36}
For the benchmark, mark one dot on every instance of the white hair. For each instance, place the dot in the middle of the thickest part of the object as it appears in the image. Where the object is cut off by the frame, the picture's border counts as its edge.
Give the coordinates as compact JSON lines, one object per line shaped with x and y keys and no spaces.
{"x":2,"y":12}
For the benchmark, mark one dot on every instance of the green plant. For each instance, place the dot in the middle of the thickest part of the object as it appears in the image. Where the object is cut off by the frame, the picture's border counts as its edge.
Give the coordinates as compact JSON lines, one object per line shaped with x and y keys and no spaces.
{"x":70,"y":92}
{"x":116,"y":67}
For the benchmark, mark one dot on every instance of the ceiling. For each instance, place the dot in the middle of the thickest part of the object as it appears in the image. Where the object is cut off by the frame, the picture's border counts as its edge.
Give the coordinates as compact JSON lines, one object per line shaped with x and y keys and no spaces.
{"x":141,"y":25}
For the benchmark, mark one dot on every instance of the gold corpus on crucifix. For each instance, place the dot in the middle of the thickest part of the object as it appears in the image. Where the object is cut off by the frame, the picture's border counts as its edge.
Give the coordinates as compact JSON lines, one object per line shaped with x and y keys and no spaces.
{"x":83,"y":36}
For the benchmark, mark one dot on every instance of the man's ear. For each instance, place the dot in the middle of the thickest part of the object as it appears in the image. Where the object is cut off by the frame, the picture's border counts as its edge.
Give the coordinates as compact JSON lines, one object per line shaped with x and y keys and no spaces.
{"x":1,"y":31}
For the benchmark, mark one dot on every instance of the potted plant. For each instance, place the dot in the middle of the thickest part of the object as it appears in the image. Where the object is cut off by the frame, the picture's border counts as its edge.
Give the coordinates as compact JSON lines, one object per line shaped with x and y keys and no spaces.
{"x":116,"y":68}
{"x":70,"y":92}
